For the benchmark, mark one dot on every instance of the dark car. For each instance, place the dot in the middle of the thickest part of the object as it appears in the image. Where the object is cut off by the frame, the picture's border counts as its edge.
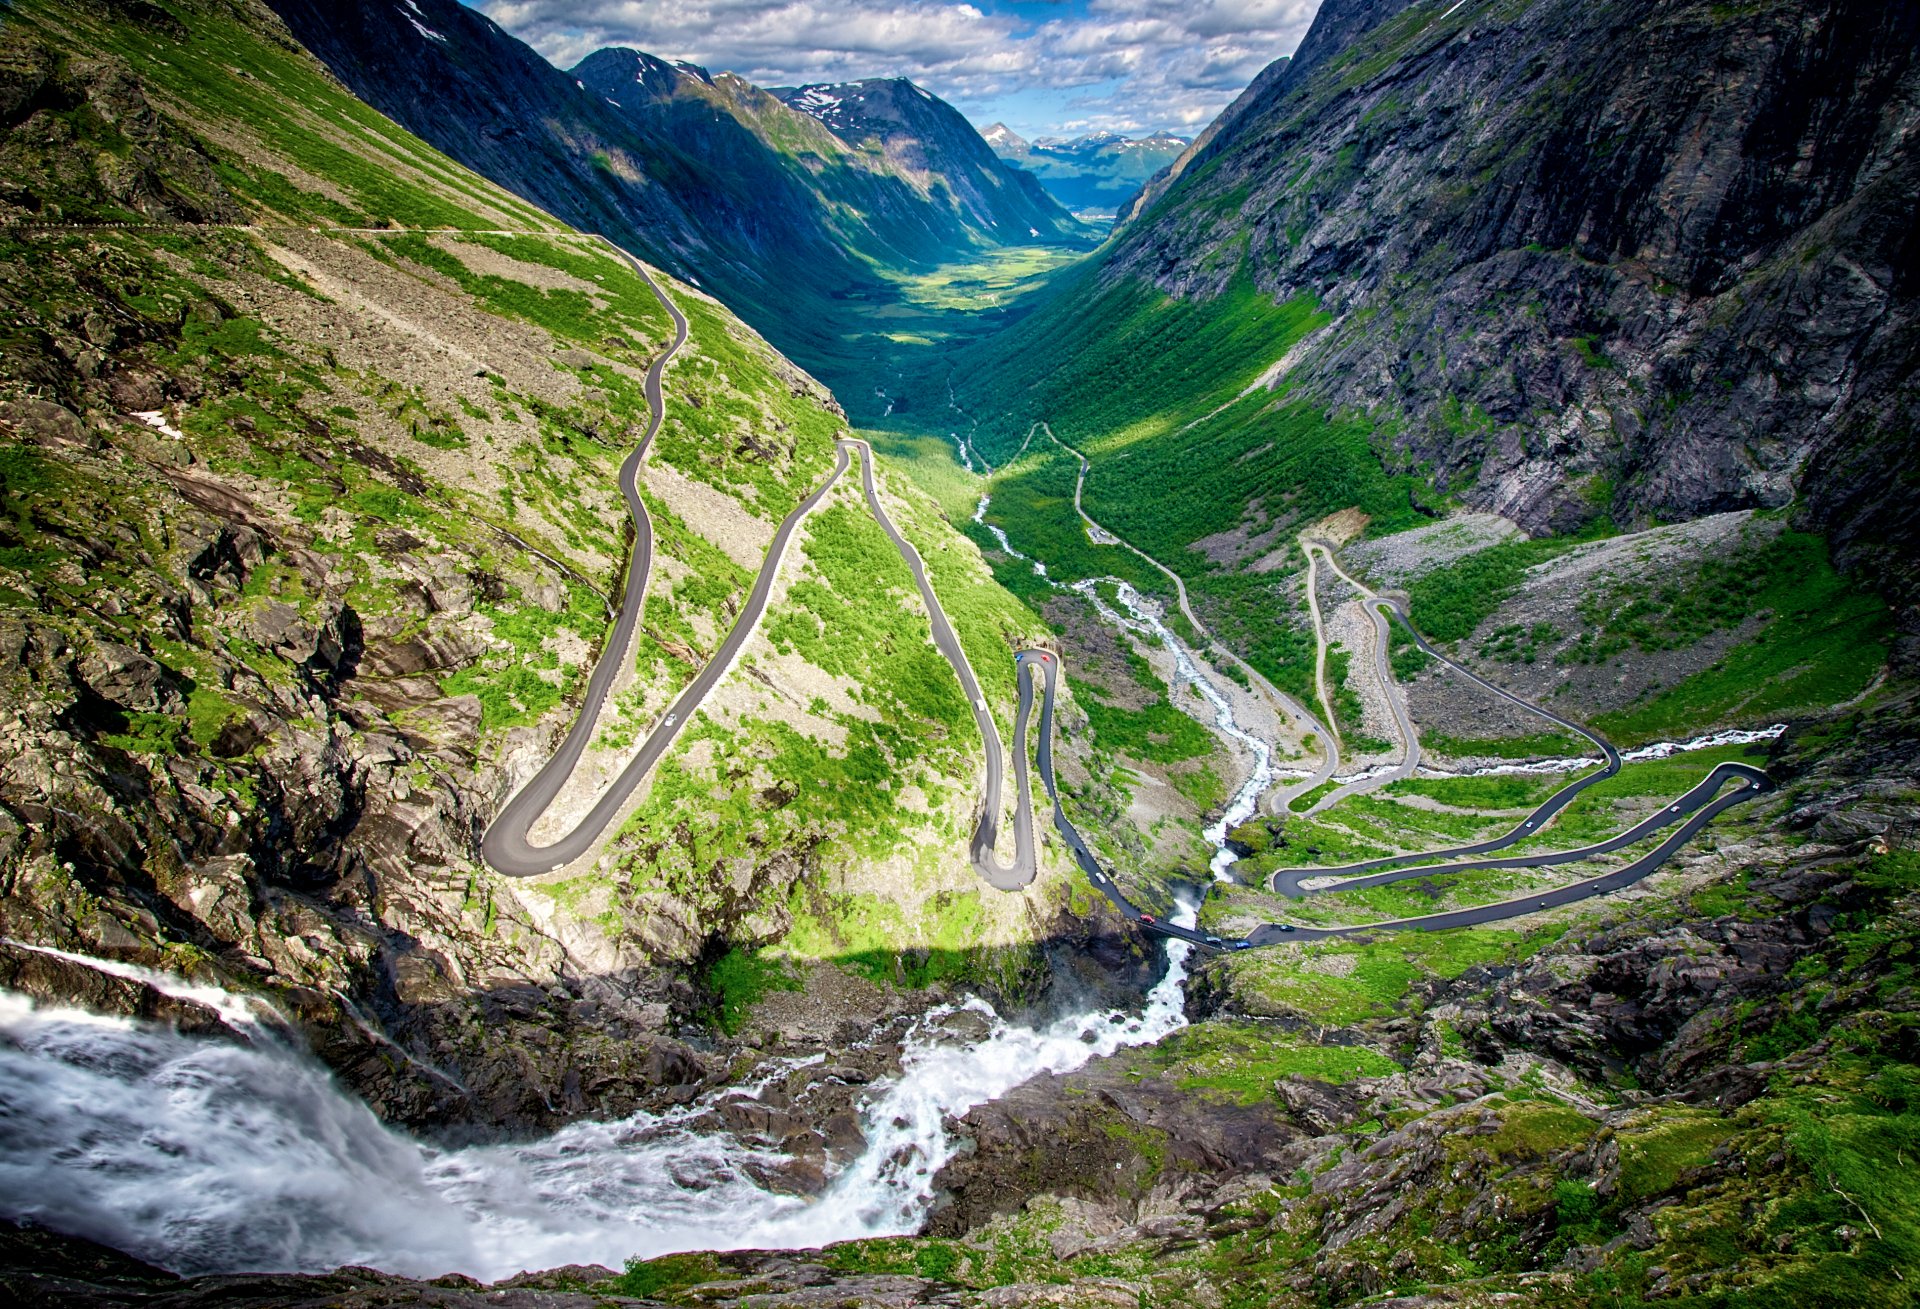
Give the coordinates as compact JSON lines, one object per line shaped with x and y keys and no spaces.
{"x":1285,"y":927}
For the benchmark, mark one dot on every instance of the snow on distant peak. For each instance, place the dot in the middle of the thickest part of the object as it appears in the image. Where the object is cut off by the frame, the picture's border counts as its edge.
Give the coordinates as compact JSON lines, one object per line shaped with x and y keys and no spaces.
{"x":414,"y":16}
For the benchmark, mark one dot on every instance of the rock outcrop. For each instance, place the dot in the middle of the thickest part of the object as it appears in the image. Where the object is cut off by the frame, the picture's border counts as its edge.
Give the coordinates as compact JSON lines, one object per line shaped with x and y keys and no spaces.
{"x":1573,"y":273}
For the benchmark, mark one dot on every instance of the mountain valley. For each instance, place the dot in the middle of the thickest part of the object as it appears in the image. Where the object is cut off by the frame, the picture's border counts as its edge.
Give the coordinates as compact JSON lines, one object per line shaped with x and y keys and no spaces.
{"x":1349,"y":741}
{"x":1093,"y":175}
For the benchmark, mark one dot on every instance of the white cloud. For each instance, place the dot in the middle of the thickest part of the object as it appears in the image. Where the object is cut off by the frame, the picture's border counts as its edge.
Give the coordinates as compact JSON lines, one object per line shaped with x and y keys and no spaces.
{"x":1125,"y":65}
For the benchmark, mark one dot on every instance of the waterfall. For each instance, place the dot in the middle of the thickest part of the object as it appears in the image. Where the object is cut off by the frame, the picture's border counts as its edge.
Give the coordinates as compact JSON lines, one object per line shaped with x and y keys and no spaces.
{"x":206,"y":1156}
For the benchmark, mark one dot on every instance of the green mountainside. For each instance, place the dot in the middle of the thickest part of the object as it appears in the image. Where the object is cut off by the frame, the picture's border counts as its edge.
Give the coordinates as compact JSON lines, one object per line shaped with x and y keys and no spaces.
{"x":1579,"y":333}
{"x":311,"y":528}
{"x":1323,"y":312}
{"x":799,"y":230}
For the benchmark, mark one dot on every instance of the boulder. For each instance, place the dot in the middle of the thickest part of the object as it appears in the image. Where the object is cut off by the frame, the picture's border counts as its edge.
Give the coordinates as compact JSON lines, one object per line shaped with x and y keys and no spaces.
{"x":42,"y":422}
{"x":129,"y":679}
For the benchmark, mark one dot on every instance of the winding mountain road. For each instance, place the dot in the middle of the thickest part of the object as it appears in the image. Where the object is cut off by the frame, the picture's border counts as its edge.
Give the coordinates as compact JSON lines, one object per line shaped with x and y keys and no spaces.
{"x":1377,"y":609}
{"x":1699,"y":802}
{"x":1552,"y":805}
{"x":1303,"y":719}
{"x":1692,"y":811}
{"x":1748,"y":783}
{"x":986,"y":830}
{"x":507,"y":845}
{"x":1290,"y":882}
{"x":508,"y":848}
{"x":1697,"y":808}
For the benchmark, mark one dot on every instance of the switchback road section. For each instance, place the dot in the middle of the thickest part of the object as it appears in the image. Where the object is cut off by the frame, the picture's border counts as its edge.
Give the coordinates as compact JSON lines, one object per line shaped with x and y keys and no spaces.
{"x":1692,"y":811}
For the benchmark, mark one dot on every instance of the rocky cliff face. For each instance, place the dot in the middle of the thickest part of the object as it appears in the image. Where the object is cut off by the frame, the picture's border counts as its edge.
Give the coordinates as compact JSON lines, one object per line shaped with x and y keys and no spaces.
{"x":1573,"y":271}
{"x":1702,"y":1095}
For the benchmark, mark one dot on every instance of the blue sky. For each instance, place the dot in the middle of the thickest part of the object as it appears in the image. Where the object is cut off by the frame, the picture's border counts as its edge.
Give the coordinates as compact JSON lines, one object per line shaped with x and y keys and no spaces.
{"x":1044,"y":67}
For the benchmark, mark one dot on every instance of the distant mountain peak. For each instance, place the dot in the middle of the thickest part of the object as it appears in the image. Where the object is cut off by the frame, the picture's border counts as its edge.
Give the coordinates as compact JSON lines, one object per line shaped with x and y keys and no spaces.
{"x":932,"y":142}
{"x":1005,"y":141}
{"x":1095,"y":174}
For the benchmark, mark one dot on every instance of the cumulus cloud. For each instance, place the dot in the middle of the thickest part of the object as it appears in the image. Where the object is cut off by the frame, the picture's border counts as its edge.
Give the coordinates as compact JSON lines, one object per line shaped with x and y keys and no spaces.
{"x":1066,"y":67}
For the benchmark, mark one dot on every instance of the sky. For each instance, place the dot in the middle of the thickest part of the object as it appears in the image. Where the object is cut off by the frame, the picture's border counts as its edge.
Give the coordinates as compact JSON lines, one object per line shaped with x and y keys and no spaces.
{"x":1043,"y":67}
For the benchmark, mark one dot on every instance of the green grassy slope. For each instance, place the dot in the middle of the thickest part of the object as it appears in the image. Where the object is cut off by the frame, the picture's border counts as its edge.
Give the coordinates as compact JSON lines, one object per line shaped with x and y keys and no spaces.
{"x":376,"y":502}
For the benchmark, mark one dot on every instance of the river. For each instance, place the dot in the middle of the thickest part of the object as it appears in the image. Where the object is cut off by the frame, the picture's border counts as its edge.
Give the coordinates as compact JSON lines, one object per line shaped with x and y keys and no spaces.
{"x":205,"y":1155}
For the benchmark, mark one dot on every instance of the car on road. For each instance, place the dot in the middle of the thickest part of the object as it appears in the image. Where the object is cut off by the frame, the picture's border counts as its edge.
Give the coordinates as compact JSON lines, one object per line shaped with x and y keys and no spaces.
{"x":1285,"y":927}
{"x":1148,"y":919}
{"x":1214,"y":940}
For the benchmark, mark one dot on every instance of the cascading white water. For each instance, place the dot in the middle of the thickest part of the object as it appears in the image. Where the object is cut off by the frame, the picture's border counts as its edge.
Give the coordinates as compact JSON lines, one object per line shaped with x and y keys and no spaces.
{"x":247,"y":1014}
{"x":1656,"y":750}
{"x":204,"y":1156}
{"x":1146,"y":619}
{"x":1574,"y":763}
{"x":1000,"y":535}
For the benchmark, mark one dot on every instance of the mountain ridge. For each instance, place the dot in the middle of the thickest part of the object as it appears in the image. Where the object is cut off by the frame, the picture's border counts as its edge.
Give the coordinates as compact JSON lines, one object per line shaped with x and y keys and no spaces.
{"x":1095,"y":171}
{"x":930,"y":139}
{"x":704,"y":175}
{"x":1625,"y":282}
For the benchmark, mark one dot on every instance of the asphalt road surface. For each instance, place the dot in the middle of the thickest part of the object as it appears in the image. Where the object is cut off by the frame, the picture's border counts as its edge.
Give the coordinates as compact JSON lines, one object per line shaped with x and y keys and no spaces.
{"x":1749,"y":783}
{"x":1289,"y":882}
{"x":1048,"y":663}
{"x":1377,"y":609}
{"x":1697,"y":807}
{"x":1286,"y":880}
{"x":1693,"y":811}
{"x":986,"y":828}
{"x":1277,"y":798}
{"x":506,"y":846}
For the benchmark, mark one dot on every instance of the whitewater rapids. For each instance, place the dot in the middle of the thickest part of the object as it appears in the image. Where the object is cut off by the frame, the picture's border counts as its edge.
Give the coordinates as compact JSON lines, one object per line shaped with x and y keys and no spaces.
{"x":1146,"y":620}
{"x":207,"y":1156}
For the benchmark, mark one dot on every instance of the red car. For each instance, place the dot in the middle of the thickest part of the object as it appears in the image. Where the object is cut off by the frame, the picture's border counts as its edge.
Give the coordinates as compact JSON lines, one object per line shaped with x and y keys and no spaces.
{"x":1148,"y":918}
